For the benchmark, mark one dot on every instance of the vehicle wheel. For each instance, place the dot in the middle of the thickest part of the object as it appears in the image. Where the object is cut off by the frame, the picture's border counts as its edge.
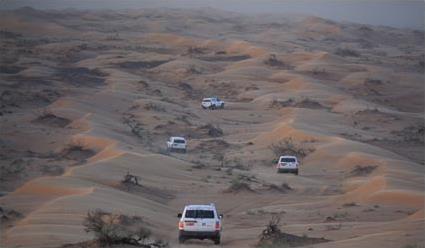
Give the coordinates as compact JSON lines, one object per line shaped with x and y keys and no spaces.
{"x":296,"y":172}
{"x":217,"y":240}
{"x":181,"y":239}
{"x":184,"y":151}
{"x":222,"y":106}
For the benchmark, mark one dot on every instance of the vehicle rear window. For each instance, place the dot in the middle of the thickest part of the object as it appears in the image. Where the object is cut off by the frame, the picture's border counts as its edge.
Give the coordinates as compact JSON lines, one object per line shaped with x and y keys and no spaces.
{"x":179,"y":141}
{"x":288,"y":160}
{"x":200,"y":214}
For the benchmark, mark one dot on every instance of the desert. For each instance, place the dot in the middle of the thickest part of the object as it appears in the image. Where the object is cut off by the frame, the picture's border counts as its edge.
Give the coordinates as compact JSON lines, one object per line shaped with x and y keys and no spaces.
{"x":89,"y":97}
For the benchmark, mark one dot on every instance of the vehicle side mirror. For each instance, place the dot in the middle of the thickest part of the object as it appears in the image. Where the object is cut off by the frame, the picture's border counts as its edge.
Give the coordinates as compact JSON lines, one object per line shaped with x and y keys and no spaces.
{"x":221,"y":216}
{"x":179,"y":215}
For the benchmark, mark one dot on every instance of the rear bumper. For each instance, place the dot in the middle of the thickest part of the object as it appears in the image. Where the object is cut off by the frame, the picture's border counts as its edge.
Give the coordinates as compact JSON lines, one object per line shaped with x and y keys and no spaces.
{"x":178,"y":147}
{"x":287,"y":170}
{"x":199,"y":235}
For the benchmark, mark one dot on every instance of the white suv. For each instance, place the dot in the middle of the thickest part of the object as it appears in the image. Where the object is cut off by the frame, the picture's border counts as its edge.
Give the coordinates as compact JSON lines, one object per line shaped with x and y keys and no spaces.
{"x":200,"y":222}
{"x":212,"y":103}
{"x":287,"y":164}
{"x":176,"y":143}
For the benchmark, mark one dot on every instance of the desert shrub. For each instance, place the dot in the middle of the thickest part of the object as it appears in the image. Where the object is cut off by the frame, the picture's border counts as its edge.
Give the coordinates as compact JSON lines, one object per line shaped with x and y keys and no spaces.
{"x":143,"y":83}
{"x":7,"y":215}
{"x":77,"y":151}
{"x":49,"y":118}
{"x":130,"y":180}
{"x":283,"y":188}
{"x":349,"y":204}
{"x":360,"y":170}
{"x":154,"y":107}
{"x":236,"y":163}
{"x":238,"y":184}
{"x":372,"y":81}
{"x":414,"y":133}
{"x":195,"y":50}
{"x":281,"y":104}
{"x":110,"y":228}
{"x":347,"y":52}
{"x":14,"y":168}
{"x":411,"y":246}
{"x":136,"y":127}
{"x":213,"y":131}
{"x":220,"y":158}
{"x":273,"y":237}
{"x":197,"y":164}
{"x":273,"y":61}
{"x":289,"y":147}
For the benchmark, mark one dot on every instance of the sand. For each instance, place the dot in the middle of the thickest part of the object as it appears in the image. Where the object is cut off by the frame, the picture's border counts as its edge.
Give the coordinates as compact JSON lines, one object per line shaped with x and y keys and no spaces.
{"x":87,"y":97}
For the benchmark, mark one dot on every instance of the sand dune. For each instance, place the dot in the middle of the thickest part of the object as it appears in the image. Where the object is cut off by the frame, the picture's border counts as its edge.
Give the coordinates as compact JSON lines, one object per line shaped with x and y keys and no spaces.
{"x":89,"y":96}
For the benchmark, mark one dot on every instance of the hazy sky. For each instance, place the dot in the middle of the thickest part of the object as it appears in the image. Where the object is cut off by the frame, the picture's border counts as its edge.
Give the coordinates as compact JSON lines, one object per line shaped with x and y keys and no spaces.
{"x":396,"y":13}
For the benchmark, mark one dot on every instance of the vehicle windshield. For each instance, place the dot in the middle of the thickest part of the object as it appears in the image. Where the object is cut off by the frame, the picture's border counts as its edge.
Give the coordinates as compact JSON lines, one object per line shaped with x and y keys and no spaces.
{"x":179,"y":141}
{"x":207,"y":100}
{"x":288,"y":160}
{"x":200,"y":214}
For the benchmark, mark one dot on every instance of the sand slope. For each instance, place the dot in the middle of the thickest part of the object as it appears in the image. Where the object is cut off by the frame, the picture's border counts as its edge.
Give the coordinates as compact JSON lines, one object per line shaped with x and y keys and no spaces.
{"x":93,"y":95}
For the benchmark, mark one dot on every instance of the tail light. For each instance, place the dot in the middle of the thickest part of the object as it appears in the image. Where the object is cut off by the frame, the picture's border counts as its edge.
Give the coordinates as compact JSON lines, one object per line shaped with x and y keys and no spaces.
{"x":217,"y":225}
{"x":181,"y":225}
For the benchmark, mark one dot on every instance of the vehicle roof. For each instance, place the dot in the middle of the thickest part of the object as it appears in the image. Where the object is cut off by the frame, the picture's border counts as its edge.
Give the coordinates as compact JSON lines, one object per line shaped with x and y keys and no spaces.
{"x":200,"y":207}
{"x":287,"y":156}
{"x":209,"y":98}
{"x":177,"y":137}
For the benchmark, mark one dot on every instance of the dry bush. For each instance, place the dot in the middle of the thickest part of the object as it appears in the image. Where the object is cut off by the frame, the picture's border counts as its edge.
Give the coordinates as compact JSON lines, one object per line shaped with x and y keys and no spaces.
{"x":136,"y":127}
{"x":195,"y":50}
{"x":347,"y":52}
{"x":7,"y":215}
{"x":130,"y":180}
{"x":359,"y":170}
{"x":273,"y":237}
{"x":274,"y":62}
{"x":154,"y":107}
{"x":289,"y":147}
{"x":238,"y":184}
{"x":77,"y":151}
{"x":305,"y":103}
{"x":110,"y":229}
{"x":213,"y":131}
{"x":372,"y":81}
{"x":349,"y":204}
{"x":48,"y":118}
{"x":414,"y":133}
{"x":283,"y":188}
{"x":281,"y":104}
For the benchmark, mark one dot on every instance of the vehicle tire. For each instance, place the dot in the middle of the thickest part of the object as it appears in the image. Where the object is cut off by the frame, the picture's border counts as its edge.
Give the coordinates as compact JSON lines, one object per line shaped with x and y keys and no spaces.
{"x":181,"y":239}
{"x":296,"y":172}
{"x":222,"y":106}
{"x":217,"y":240}
{"x":212,"y":106}
{"x":184,"y":150}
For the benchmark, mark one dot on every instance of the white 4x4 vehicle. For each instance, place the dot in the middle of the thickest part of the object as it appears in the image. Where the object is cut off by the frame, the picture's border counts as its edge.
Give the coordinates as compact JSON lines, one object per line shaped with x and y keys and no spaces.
{"x":212,"y":103}
{"x":176,"y":143}
{"x":200,"y":222}
{"x":287,"y":164}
